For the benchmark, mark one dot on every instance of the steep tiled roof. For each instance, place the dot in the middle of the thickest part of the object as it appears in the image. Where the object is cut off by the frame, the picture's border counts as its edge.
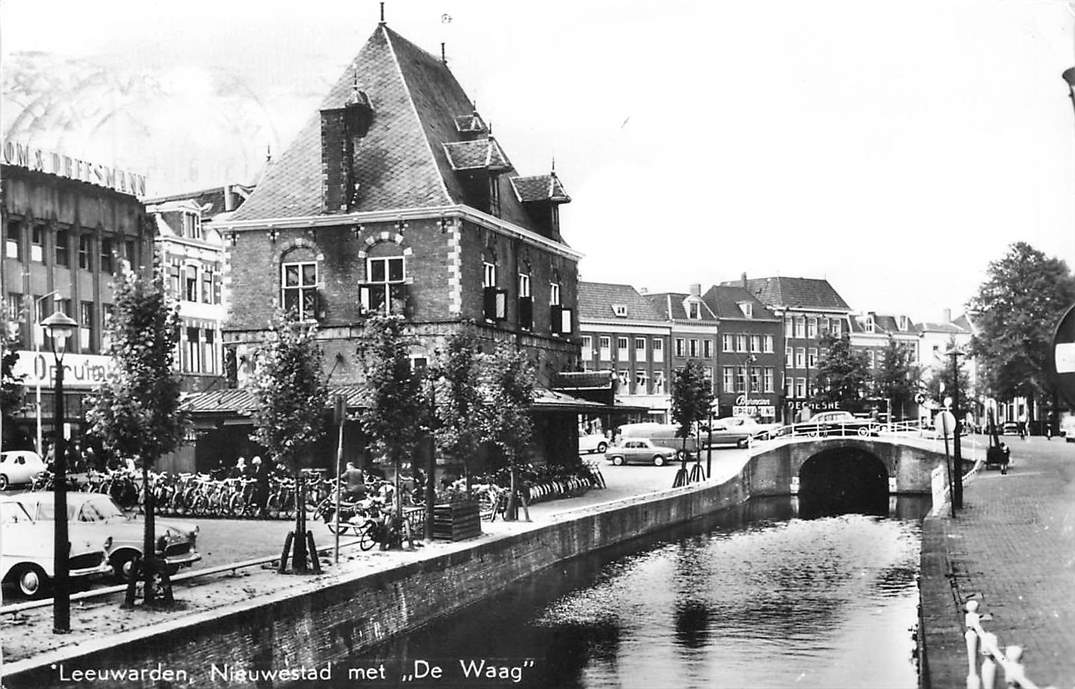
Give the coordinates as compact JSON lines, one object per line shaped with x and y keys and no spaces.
{"x":943,"y":328}
{"x":471,"y":123}
{"x":884,"y":324}
{"x":211,"y":201}
{"x":480,"y":154}
{"x":539,"y":188}
{"x":724,"y":300}
{"x":671,"y":305}
{"x":596,"y":300}
{"x":804,"y":293}
{"x":401,"y":162}
{"x":241,"y":401}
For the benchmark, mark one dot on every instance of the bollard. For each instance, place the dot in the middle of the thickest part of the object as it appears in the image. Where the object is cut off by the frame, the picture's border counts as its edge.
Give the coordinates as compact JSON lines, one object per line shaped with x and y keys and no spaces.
{"x":989,"y":666}
{"x":971,"y":620}
{"x":1013,"y":669}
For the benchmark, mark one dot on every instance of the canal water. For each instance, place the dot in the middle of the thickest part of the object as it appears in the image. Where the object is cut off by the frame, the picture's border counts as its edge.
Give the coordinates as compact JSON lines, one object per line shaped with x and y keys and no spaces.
{"x":757,"y":596}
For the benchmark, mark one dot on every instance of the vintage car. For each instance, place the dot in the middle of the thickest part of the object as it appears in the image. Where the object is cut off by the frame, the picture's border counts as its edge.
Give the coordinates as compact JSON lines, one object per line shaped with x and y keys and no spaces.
{"x":27,"y":561}
{"x":738,"y":431}
{"x":96,"y":512}
{"x":594,"y":442}
{"x":836,"y":422}
{"x":642,"y":450}
{"x":19,"y":467}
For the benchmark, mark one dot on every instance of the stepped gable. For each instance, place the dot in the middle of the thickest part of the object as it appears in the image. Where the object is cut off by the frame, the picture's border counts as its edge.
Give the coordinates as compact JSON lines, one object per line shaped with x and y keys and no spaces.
{"x":803,"y":293}
{"x":596,"y":301}
{"x":402,"y":161}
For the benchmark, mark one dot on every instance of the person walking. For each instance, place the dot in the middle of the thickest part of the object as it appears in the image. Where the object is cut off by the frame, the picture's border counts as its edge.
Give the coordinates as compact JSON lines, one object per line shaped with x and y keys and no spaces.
{"x":354,"y":482}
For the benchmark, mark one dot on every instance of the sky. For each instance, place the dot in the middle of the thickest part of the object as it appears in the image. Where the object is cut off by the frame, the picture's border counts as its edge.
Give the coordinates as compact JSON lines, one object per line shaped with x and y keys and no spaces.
{"x":892,"y":148}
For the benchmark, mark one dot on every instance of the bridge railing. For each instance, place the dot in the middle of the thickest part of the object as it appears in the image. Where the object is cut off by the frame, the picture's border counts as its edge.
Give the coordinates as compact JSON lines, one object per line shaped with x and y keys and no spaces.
{"x":863,"y":428}
{"x":985,"y":645}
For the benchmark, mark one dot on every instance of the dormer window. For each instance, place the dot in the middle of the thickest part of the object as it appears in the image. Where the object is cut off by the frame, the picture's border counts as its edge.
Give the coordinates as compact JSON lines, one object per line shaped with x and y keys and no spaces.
{"x":903,"y":323}
{"x":694,"y":311}
{"x":192,"y":225}
{"x":620,"y":310}
{"x":747,"y":308}
{"x":869,"y":326}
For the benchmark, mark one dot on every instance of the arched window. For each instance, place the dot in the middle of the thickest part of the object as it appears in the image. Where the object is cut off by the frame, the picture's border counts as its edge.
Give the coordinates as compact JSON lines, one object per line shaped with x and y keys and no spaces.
{"x":386,"y":274}
{"x":298,"y":283}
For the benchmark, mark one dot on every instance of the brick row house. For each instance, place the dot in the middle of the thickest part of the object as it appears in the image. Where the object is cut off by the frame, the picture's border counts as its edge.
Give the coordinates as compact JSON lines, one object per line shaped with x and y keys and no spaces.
{"x":749,"y":357}
{"x":623,"y":333}
{"x":67,"y":232}
{"x":809,"y":308}
{"x":694,"y":329}
{"x":395,"y":198}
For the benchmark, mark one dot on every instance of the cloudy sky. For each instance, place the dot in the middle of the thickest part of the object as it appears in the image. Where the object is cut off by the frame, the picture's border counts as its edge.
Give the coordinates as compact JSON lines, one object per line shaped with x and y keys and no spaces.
{"x":894,"y":148}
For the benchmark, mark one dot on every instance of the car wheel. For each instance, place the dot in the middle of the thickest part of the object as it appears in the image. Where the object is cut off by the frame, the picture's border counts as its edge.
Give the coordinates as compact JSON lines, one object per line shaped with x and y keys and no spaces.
{"x":617,"y":461}
{"x":31,"y":581}
{"x":743,"y":443}
{"x":658,"y":460}
{"x":123,"y":567}
{"x":601,"y":447}
{"x":863,"y":431}
{"x":3,"y":482}
{"x":814,"y":433}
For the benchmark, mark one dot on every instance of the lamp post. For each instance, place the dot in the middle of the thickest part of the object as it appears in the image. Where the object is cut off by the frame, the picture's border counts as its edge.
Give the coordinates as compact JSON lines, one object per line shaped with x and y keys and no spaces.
{"x":37,"y":351}
{"x":1069,"y":76}
{"x":59,"y":327}
{"x":957,"y":496}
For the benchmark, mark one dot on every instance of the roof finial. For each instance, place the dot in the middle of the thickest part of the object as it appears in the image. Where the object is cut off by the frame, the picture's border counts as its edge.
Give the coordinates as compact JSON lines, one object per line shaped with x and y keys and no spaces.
{"x":443,"y":58}
{"x":268,"y":153}
{"x":554,"y":163}
{"x":382,"y":13}
{"x":354,"y":85}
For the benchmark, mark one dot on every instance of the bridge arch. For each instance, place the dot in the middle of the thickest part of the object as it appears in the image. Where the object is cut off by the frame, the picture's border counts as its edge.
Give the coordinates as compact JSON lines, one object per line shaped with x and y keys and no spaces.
{"x":843,"y":479}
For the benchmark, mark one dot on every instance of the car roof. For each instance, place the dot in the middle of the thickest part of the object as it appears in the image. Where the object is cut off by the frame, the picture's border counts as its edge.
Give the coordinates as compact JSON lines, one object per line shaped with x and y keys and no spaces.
{"x":44,"y":496}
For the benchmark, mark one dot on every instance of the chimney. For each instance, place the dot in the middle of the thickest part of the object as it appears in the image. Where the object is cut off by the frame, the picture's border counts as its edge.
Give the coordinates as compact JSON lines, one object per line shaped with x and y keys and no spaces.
{"x":229,"y":201}
{"x":744,"y":279}
{"x":947,"y":316}
{"x":696,"y":290}
{"x":643,"y":290}
{"x":341,"y":130}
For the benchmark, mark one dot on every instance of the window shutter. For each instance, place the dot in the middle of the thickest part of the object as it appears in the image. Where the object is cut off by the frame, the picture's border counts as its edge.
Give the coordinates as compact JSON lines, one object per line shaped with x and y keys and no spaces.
{"x":364,"y":298}
{"x":556,"y":318}
{"x":501,"y":304}
{"x":489,"y":306}
{"x":526,"y":312}
{"x":565,"y":321}
{"x":217,"y":282}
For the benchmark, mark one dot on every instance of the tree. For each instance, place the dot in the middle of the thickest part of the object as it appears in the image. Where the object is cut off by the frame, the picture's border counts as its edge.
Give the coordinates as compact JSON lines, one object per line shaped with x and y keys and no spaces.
{"x":12,"y":391}
{"x":459,"y":400}
{"x":896,"y":379}
{"x":940,"y":383}
{"x":692,"y":396}
{"x":1015,"y":311}
{"x":396,"y":411}
{"x":842,"y":374}
{"x":290,"y":400}
{"x":136,"y":412}
{"x":508,"y":393}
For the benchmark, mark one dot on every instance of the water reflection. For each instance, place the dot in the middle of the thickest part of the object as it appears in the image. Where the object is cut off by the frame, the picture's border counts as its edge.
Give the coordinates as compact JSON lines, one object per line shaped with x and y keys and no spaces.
{"x":751,"y":597}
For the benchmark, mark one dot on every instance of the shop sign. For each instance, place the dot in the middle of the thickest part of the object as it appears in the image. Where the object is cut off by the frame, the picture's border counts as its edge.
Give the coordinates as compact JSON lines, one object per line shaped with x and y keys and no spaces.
{"x":744,"y":401}
{"x":80,"y":371}
{"x":754,"y":410}
{"x":40,"y":160}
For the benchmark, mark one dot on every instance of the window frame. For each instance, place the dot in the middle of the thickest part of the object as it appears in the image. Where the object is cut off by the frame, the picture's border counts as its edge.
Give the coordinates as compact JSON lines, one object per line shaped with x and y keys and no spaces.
{"x":390,"y":286}
{"x":302,"y":288}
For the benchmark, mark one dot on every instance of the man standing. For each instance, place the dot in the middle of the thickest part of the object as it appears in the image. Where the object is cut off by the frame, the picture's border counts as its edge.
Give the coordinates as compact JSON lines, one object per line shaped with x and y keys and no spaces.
{"x":354,"y":482}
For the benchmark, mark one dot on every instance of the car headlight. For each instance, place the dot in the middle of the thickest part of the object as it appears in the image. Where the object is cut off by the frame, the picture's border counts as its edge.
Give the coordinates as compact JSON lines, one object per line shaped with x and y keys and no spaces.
{"x":108,"y":543}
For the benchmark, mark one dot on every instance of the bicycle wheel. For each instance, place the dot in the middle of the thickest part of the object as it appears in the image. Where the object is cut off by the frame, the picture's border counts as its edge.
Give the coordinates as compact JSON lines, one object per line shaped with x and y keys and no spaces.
{"x":367,"y":536}
{"x":236,"y":505}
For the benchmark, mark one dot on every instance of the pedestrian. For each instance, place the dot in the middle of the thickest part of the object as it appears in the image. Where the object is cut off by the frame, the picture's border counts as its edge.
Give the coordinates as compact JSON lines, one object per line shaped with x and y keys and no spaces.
{"x":239,"y":470}
{"x":354,"y":482}
{"x":260,"y":474}
{"x":1022,"y":425}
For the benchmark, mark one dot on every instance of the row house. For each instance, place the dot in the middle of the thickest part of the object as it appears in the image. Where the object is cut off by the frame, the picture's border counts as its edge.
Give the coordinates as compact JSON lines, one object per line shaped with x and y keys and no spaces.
{"x":694,"y":329}
{"x":871,"y":333}
{"x":623,"y":333}
{"x":750,"y":355}
{"x":191,"y":253}
{"x":939,"y":337}
{"x":68,"y":230}
{"x":396,"y":199}
{"x":809,"y":308}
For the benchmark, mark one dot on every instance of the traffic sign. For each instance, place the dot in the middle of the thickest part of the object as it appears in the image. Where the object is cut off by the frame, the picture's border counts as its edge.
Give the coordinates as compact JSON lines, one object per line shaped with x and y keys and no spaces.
{"x":1063,"y":356}
{"x":920,"y":398}
{"x":945,"y":422}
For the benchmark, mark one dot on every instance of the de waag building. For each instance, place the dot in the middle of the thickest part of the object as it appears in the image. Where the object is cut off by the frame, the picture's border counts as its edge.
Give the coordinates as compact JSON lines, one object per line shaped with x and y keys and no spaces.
{"x":395,"y":198}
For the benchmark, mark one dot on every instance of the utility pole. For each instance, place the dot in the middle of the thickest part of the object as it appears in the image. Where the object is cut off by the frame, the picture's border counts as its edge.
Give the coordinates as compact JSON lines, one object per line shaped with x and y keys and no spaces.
{"x":957,"y":494}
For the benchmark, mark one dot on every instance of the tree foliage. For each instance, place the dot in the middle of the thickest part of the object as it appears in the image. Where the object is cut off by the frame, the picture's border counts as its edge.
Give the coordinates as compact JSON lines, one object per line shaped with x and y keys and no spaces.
{"x":897,"y":377}
{"x":395,"y":410}
{"x":1015,"y":311}
{"x":691,"y":397}
{"x":940,"y":383}
{"x":136,"y":412}
{"x":12,"y":391}
{"x":459,"y":401}
{"x":843,"y":374}
{"x":289,"y":392}
{"x":507,"y":389}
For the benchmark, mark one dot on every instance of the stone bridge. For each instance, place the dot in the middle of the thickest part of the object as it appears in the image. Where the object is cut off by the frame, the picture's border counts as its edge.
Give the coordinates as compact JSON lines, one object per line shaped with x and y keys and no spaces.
{"x":843,"y":466}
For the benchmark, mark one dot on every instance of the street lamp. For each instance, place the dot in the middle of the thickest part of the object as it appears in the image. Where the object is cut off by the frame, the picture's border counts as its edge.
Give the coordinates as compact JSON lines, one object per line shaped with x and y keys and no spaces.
{"x":59,"y":327}
{"x":37,"y":350}
{"x":1069,"y":77}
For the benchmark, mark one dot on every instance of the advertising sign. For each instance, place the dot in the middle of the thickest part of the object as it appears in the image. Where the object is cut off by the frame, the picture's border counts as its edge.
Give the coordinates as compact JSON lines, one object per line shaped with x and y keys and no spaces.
{"x":80,"y":371}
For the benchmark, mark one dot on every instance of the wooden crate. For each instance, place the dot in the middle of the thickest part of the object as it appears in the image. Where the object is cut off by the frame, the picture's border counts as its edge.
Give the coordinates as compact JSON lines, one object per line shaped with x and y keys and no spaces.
{"x":456,"y":521}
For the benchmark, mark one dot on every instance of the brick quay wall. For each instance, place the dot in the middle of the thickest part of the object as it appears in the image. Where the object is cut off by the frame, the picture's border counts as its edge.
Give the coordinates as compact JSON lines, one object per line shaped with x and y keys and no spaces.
{"x":336,"y":618}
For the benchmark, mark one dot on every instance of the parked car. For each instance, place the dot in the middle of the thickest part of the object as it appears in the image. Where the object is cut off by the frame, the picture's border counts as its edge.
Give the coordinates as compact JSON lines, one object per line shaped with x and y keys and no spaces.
{"x":738,"y":431}
{"x":1009,"y":428}
{"x":641,"y":450}
{"x":836,"y":422}
{"x":18,"y":467}
{"x":1067,"y":427}
{"x":27,"y":561}
{"x":594,"y":442}
{"x":663,"y":434}
{"x":98,"y":513}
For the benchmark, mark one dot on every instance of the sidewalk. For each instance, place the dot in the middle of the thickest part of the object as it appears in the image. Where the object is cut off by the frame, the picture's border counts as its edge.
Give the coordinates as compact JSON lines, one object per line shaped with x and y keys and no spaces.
{"x":1012,"y":548}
